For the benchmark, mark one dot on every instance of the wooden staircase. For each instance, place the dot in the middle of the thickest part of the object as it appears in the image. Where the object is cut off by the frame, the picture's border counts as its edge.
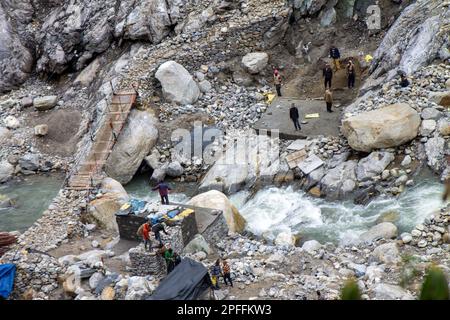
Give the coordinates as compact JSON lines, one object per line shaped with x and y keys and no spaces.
{"x":89,"y":172}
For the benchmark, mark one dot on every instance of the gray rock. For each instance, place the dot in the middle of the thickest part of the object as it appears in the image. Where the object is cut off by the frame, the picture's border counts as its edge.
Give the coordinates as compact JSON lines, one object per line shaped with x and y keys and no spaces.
{"x":16,"y":61}
{"x":134,"y":143}
{"x":138,"y":288}
{"x":198,"y":244}
{"x":328,"y":17}
{"x":387,"y":253}
{"x":431,"y":113}
{"x":5,"y":134}
{"x":30,"y":161}
{"x":95,"y":279}
{"x":406,"y":237}
{"x":174,"y":169}
{"x":26,"y":102}
{"x":255,"y":62}
{"x":45,"y":103}
{"x":373,"y":165}
{"x":340,"y":180}
{"x":177,"y":84}
{"x":152,"y":160}
{"x":434,"y":149}
{"x":384,"y":230}
{"x":205,"y":86}
{"x":406,"y":161}
{"x":311,"y":246}
{"x":384,"y":291}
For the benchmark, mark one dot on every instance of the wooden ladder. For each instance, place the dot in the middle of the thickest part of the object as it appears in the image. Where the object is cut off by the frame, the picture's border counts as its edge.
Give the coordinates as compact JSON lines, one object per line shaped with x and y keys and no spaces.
{"x":89,"y":172}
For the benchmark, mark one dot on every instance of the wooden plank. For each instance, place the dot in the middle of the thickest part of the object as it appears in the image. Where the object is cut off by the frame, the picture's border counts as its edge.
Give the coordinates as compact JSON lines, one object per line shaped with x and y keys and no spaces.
{"x":294,"y":159}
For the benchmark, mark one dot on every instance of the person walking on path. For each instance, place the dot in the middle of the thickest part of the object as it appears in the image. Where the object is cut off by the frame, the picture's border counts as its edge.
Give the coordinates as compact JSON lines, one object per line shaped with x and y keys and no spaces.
{"x":163,"y":189}
{"x":328,"y":75}
{"x":404,"y":82}
{"x":277,"y":81}
{"x":335,"y":55}
{"x":144,"y":232}
{"x":293,"y":114}
{"x":157,"y":228}
{"x":215,"y":273}
{"x":170,"y":260}
{"x":351,"y":74}
{"x":226,"y":272}
{"x":329,"y":100}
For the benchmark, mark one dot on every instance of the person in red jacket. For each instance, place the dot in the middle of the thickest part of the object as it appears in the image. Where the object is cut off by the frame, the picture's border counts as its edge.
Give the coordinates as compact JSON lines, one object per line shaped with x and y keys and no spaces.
{"x":144,"y":232}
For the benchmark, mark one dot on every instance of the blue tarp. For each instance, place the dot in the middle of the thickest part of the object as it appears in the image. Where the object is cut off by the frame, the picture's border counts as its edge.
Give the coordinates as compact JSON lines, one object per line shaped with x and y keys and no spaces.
{"x":7,"y":274}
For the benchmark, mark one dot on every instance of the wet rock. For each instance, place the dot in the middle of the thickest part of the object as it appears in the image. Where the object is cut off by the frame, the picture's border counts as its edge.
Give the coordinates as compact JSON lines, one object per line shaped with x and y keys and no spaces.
{"x":373,"y":165}
{"x":434,"y":149}
{"x":340,"y":180}
{"x":45,"y":103}
{"x":178,"y":85}
{"x":387,"y":127}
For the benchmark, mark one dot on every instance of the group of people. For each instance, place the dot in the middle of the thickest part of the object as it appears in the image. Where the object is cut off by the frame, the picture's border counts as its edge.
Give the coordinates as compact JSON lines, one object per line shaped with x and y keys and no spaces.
{"x":217,"y":270}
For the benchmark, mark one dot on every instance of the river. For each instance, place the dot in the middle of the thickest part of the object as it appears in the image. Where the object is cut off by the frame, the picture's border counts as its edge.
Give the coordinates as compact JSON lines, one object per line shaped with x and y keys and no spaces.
{"x":32,"y":195}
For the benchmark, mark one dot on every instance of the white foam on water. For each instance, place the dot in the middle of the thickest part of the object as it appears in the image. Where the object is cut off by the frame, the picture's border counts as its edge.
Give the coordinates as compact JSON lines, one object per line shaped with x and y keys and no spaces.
{"x":274,"y":210}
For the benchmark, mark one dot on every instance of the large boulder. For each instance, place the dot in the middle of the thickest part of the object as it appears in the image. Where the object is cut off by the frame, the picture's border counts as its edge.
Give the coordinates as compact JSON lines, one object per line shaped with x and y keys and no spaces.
{"x":373,"y":165}
{"x":197,"y":244}
{"x":177,"y":84}
{"x":6,"y":171}
{"x":134,"y":143}
{"x":339,"y":181}
{"x":16,"y":61}
{"x":285,"y":238}
{"x":247,"y":161}
{"x":103,"y":210}
{"x":255,"y":62}
{"x":384,"y":230}
{"x":139,"y":288}
{"x":217,"y":200}
{"x":114,"y":188}
{"x":387,"y":127}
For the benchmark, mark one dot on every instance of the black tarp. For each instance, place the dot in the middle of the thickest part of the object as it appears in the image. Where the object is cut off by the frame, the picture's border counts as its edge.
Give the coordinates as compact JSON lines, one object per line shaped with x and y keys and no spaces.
{"x":188,"y":281}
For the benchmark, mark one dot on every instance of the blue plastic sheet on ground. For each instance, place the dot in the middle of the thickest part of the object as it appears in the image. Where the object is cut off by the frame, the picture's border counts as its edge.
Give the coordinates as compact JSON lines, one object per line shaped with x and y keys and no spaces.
{"x":173,"y":213}
{"x":137,"y":205}
{"x":7,"y":274}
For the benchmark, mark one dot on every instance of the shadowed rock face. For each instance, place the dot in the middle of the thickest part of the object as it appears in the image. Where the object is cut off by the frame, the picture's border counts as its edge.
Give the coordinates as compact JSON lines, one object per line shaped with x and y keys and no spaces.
{"x":16,"y":61}
{"x":387,"y":127}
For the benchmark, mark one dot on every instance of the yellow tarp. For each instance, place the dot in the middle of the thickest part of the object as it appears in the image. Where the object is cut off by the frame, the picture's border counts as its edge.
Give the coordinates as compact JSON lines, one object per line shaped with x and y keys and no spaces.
{"x":125,"y":206}
{"x":312,"y":115}
{"x":183,"y":214}
{"x":269,"y":97}
{"x":368,"y":58}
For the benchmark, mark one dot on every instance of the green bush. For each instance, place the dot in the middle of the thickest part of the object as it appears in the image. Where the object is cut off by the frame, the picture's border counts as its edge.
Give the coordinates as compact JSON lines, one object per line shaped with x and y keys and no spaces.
{"x":350,"y":291}
{"x":435,"y":285}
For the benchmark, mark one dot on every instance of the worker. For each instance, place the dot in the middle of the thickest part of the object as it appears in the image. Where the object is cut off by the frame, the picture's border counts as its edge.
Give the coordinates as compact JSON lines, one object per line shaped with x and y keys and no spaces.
{"x":328,"y":75}
{"x":226,"y":272}
{"x":157,"y":228}
{"x":215,"y":273}
{"x":163,"y":189}
{"x":170,"y":260}
{"x":293,"y":114}
{"x":351,"y":74}
{"x":404,"y":82}
{"x":144,"y":232}
{"x":277,"y":81}
{"x":329,"y":100}
{"x":177,"y":258}
{"x":335,"y":55}
{"x":161,"y":250}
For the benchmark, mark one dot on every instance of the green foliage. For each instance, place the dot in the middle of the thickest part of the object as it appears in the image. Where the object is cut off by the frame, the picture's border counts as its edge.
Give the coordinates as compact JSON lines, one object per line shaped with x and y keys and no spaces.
{"x":350,"y":291}
{"x":435,"y":285}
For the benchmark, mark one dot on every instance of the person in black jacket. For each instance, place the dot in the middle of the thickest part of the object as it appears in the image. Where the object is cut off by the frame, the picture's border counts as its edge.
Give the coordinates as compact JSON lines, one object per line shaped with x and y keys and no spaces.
{"x":404,"y":82}
{"x":351,"y":74}
{"x":156,"y":229}
{"x":335,"y":55}
{"x":293,"y":114}
{"x":328,"y":75}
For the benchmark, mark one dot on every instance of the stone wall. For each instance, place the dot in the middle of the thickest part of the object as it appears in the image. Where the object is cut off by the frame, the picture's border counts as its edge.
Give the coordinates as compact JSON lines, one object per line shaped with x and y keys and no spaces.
{"x":216,"y":231}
